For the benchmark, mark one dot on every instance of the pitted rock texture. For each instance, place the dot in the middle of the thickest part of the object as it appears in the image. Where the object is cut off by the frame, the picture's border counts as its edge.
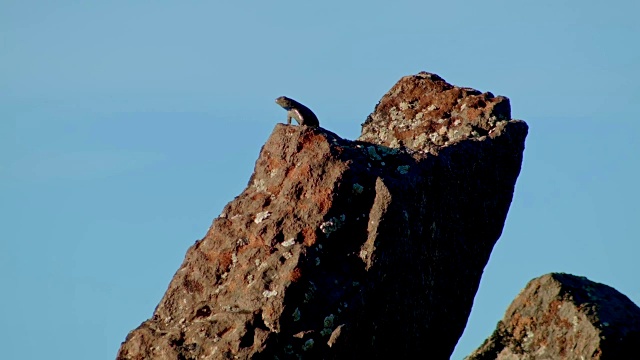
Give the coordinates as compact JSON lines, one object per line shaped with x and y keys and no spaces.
{"x":343,"y":249}
{"x":563,"y":316}
{"x":424,"y":113}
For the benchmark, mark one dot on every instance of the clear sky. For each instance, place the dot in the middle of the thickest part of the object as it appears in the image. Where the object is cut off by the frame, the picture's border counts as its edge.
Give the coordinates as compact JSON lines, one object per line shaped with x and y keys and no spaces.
{"x":125,"y":127}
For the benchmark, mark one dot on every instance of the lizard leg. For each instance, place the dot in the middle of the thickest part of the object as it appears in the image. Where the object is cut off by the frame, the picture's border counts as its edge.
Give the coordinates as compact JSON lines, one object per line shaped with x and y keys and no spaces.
{"x":298,"y":116}
{"x":289,"y":120}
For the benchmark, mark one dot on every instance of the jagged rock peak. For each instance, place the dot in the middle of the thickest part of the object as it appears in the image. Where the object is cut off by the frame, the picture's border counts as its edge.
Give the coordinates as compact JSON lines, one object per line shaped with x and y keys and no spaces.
{"x":423,"y":113}
{"x":563,"y":316}
{"x":342,"y":249}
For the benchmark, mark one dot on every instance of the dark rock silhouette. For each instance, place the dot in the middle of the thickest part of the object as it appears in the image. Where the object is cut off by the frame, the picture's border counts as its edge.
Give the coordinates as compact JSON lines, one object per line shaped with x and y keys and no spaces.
{"x":343,"y":249}
{"x":563,"y":316}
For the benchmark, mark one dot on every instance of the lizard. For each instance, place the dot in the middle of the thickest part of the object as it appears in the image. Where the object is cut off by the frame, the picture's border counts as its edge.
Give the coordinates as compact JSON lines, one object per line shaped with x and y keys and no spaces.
{"x":302,"y":114}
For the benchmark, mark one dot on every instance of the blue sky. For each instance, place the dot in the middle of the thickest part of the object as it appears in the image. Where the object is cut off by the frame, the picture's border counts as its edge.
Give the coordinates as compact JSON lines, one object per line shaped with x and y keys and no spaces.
{"x":125,"y":128}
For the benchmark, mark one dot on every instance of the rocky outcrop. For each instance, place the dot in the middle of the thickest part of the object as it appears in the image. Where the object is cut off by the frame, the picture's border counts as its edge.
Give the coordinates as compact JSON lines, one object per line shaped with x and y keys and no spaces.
{"x":343,"y":249}
{"x":425,"y":113}
{"x":562,"y":316}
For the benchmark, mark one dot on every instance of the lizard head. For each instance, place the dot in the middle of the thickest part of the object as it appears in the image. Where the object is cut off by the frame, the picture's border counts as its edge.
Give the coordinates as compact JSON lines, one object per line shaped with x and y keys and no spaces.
{"x":284,"y":101}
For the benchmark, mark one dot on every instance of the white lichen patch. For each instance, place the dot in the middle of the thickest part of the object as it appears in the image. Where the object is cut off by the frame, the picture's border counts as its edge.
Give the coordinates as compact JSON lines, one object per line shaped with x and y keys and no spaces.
{"x":242,"y":242}
{"x":403,"y":169}
{"x":262,"y":266}
{"x":454,"y":135}
{"x":261,"y":216}
{"x":288,"y":243}
{"x":528,"y":339}
{"x":273,"y":172}
{"x":357,"y":188}
{"x":395,"y":114}
{"x":420,"y":140}
{"x":259,"y":185}
{"x":269,"y":293}
{"x":432,"y":107}
{"x":288,"y":255}
{"x":332,"y":224}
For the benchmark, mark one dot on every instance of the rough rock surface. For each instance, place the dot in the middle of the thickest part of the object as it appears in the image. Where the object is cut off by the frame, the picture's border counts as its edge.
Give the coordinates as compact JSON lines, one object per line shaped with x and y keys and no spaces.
{"x":405,"y":117}
{"x":344,"y":249}
{"x":562,"y":316}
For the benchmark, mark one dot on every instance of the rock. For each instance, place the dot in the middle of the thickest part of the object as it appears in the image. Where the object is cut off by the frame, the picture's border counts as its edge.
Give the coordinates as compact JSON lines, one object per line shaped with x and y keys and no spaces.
{"x":423,"y":112}
{"x":563,"y":316}
{"x":344,"y":249}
